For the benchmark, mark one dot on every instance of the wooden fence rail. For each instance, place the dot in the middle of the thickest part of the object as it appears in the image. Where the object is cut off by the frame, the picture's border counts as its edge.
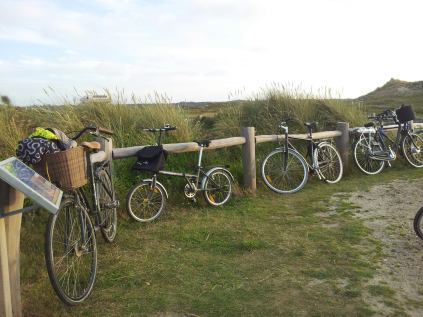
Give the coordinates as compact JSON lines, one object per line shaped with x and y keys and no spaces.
{"x":248,"y":140}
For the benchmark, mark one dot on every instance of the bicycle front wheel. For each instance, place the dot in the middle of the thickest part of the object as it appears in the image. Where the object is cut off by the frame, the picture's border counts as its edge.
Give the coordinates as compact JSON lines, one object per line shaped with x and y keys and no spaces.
{"x":362,"y":151}
{"x":412,"y":146}
{"x":217,"y":187}
{"x":71,"y":252}
{"x":328,"y":162}
{"x":145,"y":203}
{"x":108,"y":214}
{"x":284,"y":172}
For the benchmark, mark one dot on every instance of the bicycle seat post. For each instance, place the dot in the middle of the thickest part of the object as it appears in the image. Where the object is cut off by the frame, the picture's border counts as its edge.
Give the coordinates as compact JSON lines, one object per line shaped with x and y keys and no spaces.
{"x":200,"y":155}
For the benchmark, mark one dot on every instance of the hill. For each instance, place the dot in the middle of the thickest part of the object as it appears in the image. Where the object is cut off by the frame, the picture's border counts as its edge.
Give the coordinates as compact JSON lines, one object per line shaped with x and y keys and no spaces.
{"x":396,"y":92}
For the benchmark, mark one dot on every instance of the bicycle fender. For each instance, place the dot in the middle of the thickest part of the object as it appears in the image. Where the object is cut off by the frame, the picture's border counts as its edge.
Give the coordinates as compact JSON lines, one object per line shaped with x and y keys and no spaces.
{"x":149,"y":180}
{"x":215,"y":169}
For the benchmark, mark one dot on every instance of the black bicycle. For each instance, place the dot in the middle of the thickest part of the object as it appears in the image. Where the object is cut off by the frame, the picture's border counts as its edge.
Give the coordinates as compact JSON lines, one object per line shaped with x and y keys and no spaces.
{"x":146,"y":200}
{"x":70,"y":242}
{"x":285,"y":170}
{"x":373,"y":148}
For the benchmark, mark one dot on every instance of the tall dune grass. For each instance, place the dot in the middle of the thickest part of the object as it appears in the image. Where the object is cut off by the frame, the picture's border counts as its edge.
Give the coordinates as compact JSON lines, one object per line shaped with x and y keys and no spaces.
{"x":126,"y":121}
{"x":266,"y":109}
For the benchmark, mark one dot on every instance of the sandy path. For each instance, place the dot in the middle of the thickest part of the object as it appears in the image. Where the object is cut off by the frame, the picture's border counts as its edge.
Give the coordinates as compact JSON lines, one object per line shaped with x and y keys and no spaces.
{"x":389,"y":211}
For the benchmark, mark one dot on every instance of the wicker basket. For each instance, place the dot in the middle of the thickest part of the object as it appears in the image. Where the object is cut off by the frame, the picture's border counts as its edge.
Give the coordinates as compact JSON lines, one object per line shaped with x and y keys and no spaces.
{"x":67,"y":169}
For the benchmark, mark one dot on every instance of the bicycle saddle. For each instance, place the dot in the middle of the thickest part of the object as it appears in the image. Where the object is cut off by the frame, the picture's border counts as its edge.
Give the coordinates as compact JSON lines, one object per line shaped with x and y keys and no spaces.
{"x":204,"y":143}
{"x":311,"y":125}
{"x":369,"y":124}
{"x":95,"y":146}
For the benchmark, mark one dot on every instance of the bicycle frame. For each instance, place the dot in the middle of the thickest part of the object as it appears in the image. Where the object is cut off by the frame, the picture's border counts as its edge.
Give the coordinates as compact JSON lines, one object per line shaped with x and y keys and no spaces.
{"x":192,"y":179}
{"x":390,"y":150}
{"x":311,"y":146}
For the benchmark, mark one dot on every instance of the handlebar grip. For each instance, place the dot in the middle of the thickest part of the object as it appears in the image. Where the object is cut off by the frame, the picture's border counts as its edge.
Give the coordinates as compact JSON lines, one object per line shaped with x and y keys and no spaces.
{"x":105,"y":131}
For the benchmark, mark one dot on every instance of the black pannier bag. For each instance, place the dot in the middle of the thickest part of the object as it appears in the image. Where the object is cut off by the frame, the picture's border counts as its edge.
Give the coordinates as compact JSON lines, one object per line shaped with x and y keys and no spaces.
{"x":151,"y":158}
{"x":405,"y":114}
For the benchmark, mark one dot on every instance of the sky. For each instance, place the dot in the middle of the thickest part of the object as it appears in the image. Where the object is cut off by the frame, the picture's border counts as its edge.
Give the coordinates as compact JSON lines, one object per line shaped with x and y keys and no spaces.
{"x":205,"y":50}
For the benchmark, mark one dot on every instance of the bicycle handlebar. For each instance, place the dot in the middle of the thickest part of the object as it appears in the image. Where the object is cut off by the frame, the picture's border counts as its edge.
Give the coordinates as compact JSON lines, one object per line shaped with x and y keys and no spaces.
{"x":94,"y":130}
{"x":164,"y":129}
{"x":387,"y":114}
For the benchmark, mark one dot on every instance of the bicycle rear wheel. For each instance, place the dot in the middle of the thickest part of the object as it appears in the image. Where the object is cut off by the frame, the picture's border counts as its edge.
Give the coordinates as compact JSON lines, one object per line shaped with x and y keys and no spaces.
{"x":108,"y":214}
{"x":412,"y":147}
{"x":71,"y":252}
{"x":362,"y":150}
{"x":328,"y":162}
{"x":217,"y":187}
{"x":144,"y":203}
{"x":284,"y":179}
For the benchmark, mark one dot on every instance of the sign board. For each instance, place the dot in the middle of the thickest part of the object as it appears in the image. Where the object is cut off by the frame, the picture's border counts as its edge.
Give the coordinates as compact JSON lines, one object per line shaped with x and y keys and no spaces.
{"x":33,"y":185}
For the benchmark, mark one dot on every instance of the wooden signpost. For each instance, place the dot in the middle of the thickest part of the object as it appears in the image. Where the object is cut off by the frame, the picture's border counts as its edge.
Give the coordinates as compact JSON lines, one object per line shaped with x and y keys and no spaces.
{"x":10,"y":227}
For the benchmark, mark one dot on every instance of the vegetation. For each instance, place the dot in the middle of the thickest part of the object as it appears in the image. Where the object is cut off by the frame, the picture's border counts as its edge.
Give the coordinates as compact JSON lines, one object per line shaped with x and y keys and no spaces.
{"x":264,"y":111}
{"x":262,"y":256}
{"x":395,"y":93}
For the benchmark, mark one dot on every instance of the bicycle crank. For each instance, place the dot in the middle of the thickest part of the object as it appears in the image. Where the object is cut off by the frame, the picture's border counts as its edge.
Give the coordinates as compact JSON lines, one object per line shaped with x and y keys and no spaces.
{"x":112,"y":205}
{"x":190,"y":190}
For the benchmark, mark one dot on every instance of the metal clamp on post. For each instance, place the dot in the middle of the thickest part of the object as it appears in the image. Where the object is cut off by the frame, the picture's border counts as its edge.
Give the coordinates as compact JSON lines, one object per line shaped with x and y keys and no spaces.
{"x":18,"y":211}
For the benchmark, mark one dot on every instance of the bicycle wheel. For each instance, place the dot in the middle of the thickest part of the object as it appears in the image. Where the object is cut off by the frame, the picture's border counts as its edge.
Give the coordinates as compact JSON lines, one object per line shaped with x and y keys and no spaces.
{"x":144,"y":203}
{"x":418,"y":225}
{"x":412,"y":147}
{"x":71,"y":252}
{"x":362,"y":151}
{"x":284,"y":180}
{"x":217,"y":186}
{"x":328,"y":162}
{"x":108,"y":214}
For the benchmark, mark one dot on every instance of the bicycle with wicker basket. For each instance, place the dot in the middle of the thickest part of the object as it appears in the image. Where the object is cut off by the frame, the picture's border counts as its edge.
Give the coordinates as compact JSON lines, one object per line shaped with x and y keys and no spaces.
{"x":70,"y":242}
{"x":146,"y":201}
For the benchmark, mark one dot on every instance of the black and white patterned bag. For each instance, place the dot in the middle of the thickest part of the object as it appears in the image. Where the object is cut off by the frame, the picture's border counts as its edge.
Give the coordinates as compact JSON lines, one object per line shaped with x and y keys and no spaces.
{"x":31,"y":150}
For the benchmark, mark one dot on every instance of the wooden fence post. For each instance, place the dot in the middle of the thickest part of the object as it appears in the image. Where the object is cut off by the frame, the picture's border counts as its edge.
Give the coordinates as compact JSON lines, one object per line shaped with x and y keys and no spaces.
{"x":342,"y":142}
{"x":249,"y":158}
{"x":10,"y":227}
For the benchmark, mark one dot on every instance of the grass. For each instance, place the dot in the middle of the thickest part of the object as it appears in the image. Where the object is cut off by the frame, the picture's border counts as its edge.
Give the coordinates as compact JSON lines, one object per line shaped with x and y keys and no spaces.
{"x":267,"y":255}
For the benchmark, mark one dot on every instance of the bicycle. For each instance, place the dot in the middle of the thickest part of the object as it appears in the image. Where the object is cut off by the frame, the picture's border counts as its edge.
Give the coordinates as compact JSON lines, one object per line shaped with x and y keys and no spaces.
{"x":70,"y":242}
{"x":285,"y":170}
{"x":146,"y":201}
{"x":373,"y":149}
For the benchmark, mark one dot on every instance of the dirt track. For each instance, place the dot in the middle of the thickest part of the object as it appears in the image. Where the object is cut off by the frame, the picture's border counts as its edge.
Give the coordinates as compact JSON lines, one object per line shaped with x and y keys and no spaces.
{"x":389,"y":211}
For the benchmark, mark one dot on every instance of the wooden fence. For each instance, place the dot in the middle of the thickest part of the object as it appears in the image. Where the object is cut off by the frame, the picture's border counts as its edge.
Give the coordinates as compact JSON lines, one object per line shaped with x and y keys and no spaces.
{"x":10,"y":199}
{"x":248,"y":140}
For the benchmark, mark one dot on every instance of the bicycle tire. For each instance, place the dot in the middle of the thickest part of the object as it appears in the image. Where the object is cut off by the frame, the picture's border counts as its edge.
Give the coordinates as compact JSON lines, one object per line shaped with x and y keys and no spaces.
{"x":328,"y":162}
{"x":144,"y":204}
{"x":366,"y":164}
{"x":417,"y":223}
{"x":408,"y":146}
{"x":108,"y":216}
{"x":222,"y":180}
{"x":70,"y":241}
{"x":299,"y":169}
